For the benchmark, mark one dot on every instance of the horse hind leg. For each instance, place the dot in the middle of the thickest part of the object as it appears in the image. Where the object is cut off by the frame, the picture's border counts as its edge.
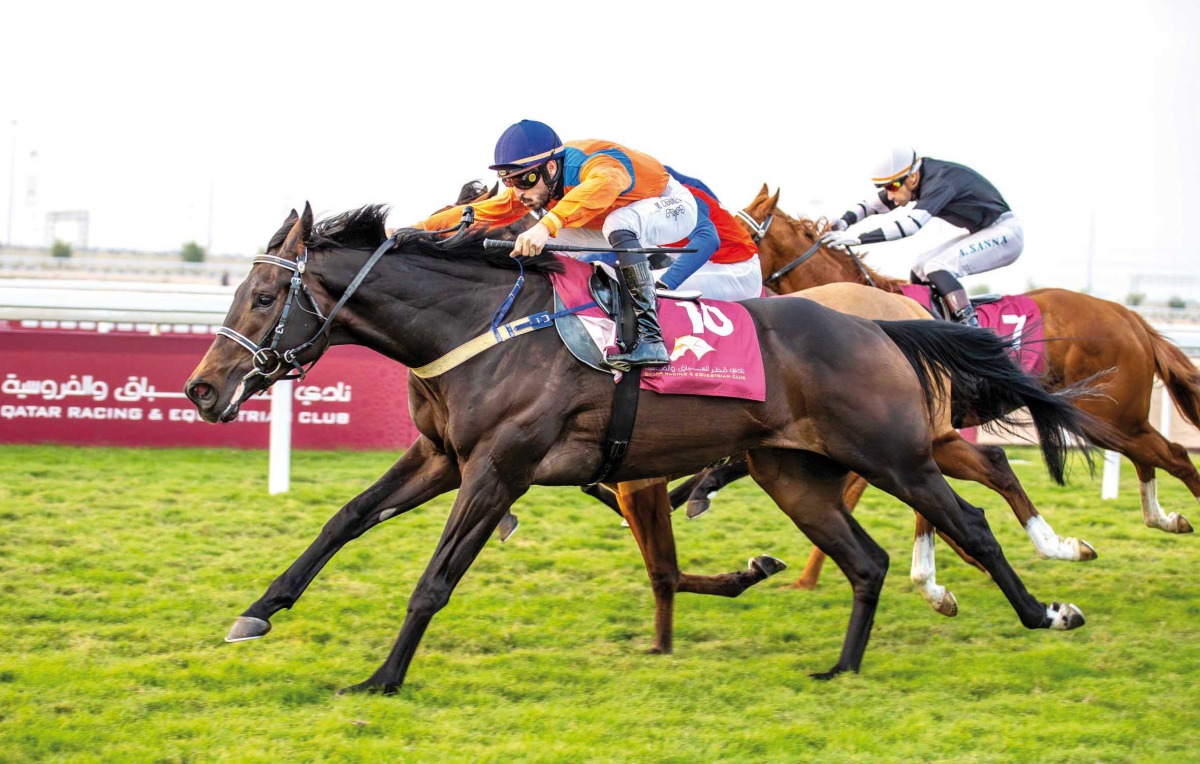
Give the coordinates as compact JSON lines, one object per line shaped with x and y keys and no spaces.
{"x":925,"y":490}
{"x":646,"y":507}
{"x":988,"y":466}
{"x":1149,"y":450}
{"x":816,"y":558}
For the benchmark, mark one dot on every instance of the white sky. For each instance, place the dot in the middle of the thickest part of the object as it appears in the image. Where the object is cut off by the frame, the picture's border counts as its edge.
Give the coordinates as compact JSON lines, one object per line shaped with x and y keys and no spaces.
{"x":1084,"y":115}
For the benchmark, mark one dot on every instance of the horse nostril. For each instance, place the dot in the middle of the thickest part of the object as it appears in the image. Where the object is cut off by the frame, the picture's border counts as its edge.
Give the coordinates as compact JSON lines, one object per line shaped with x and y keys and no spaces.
{"x":198,"y":391}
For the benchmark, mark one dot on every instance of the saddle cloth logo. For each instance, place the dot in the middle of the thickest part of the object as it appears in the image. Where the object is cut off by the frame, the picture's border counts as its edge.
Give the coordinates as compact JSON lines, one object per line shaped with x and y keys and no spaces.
{"x":1015,"y":316}
{"x":714,"y":345}
{"x":694,"y":344}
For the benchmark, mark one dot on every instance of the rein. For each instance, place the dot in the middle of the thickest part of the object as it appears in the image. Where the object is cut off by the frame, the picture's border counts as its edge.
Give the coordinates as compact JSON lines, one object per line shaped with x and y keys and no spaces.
{"x":760,"y":231}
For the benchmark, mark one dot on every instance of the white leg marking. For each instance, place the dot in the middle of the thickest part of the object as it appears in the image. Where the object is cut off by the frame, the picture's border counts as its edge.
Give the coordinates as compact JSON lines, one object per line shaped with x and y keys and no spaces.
{"x":1048,"y":543}
{"x":924,"y":574}
{"x":1152,"y":513}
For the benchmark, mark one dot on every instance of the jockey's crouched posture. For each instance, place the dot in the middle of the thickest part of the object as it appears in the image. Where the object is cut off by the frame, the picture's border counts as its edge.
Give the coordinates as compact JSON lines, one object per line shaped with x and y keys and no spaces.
{"x":954,"y":193}
{"x":589,"y":193}
{"x":725,"y":264}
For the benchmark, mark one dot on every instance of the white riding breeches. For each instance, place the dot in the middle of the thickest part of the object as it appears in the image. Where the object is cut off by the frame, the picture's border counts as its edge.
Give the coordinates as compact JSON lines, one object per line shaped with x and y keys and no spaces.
{"x":725,"y":281}
{"x":993,"y":247}
{"x":656,"y":221}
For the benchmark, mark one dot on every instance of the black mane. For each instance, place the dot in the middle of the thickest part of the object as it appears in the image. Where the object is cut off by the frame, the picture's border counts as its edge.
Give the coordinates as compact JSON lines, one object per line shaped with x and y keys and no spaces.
{"x":364,"y":228}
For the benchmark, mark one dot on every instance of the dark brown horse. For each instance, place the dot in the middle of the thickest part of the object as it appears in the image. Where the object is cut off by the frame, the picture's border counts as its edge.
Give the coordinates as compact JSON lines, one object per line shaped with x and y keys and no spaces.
{"x":1087,"y":339}
{"x":841,"y":394}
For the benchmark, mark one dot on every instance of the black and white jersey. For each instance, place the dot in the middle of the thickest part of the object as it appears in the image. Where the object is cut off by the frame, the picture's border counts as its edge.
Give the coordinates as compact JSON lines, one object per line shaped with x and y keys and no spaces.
{"x":952,"y":192}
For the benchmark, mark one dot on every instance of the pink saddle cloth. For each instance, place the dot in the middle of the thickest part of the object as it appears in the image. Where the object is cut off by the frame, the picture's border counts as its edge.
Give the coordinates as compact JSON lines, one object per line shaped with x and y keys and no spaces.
{"x":1014,"y":316}
{"x":713,"y":345}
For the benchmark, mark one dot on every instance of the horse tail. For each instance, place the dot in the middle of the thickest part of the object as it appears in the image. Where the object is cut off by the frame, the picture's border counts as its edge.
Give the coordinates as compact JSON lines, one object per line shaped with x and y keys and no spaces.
{"x":1179,"y":375}
{"x":987,"y":383}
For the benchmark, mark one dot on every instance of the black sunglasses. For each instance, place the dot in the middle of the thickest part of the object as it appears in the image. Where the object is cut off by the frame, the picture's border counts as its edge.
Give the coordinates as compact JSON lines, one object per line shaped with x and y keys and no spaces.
{"x":524,"y":180}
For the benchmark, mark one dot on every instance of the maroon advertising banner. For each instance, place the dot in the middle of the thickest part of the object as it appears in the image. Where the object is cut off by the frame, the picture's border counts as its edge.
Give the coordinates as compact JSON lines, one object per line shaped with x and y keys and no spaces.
{"x":126,"y":389}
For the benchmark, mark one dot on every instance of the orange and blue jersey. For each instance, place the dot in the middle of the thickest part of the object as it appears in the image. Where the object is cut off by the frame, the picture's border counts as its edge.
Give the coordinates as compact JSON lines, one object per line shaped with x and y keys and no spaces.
{"x":598,"y":178}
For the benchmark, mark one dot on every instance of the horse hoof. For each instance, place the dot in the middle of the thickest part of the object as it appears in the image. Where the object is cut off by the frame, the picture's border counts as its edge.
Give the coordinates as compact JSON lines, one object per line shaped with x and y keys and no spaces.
{"x":947,"y":605}
{"x":1087,"y":552}
{"x":767,"y":565}
{"x":369,"y":688}
{"x":1177,"y":523}
{"x":825,"y":676}
{"x":508,"y":526}
{"x":1065,"y":617}
{"x":697,"y":507}
{"x":247,"y":627}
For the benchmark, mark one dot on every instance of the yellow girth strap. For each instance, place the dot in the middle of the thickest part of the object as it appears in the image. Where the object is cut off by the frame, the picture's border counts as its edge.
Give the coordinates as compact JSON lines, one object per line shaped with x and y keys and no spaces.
{"x":488,"y":339}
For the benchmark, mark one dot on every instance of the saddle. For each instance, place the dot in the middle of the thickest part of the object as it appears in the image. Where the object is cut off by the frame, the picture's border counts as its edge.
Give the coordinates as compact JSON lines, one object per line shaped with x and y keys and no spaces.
{"x":606,"y":288}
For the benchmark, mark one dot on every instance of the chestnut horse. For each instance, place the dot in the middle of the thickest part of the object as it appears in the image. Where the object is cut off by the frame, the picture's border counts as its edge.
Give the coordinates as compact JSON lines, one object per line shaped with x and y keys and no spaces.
{"x":842,"y":394}
{"x":1088,"y":339}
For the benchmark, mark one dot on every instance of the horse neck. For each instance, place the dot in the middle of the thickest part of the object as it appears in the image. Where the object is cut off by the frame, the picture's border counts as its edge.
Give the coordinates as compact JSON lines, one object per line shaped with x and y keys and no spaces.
{"x":824,"y":267}
{"x":415,"y":308}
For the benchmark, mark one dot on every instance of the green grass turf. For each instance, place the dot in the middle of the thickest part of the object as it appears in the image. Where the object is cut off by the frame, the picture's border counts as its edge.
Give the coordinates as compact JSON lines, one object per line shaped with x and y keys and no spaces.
{"x":120,"y":571}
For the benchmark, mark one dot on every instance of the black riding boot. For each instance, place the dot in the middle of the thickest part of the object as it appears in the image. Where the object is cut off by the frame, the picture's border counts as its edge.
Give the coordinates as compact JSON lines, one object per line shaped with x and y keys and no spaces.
{"x":954,"y":297}
{"x":648,"y":350}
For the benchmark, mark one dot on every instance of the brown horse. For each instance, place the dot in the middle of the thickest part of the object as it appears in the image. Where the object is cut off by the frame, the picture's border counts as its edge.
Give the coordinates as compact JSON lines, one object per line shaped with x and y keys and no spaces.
{"x":1087,"y":339}
{"x":842,"y":394}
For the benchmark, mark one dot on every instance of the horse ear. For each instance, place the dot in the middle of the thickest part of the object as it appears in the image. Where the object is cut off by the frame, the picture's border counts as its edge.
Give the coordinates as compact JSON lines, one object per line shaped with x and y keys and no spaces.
{"x":306,"y":219}
{"x":495,"y":189}
{"x":291,"y":219}
{"x":301,"y":229}
{"x":764,"y":190}
{"x":773,"y":202}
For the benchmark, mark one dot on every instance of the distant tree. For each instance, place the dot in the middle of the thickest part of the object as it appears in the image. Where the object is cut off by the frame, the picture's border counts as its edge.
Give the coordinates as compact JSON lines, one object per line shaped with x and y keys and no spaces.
{"x":60,"y":249}
{"x":1176,"y":302}
{"x":192,"y":253}
{"x":1135,"y":298}
{"x":979,"y":289}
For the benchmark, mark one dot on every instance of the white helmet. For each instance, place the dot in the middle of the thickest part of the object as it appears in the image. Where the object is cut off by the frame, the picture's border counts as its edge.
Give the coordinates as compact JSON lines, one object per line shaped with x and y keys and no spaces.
{"x":896,"y":164}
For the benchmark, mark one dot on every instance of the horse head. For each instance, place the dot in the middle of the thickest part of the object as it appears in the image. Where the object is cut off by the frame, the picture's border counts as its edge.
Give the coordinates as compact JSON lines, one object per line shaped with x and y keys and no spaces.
{"x":271,"y":331}
{"x":790,"y":244}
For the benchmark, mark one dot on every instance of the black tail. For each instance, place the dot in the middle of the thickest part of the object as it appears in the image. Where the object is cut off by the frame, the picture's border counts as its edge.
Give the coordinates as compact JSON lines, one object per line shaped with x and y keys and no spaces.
{"x":988,"y":384}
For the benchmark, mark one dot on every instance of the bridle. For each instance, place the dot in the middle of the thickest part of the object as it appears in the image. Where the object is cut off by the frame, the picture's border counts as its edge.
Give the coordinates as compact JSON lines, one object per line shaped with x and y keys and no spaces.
{"x":760,"y":231}
{"x":268,"y":359}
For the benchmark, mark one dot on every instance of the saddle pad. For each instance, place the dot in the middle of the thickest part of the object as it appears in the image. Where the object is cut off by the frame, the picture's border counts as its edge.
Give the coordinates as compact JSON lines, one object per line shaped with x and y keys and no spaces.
{"x":1012,"y":315}
{"x":713,"y":345}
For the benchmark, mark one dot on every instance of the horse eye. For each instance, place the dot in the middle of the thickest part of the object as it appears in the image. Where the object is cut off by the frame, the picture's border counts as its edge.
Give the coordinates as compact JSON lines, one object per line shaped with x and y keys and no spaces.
{"x":264,"y":300}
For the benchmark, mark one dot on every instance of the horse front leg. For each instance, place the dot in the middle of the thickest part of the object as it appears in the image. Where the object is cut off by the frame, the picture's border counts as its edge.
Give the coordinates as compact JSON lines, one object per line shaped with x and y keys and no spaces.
{"x":646,"y":506}
{"x":488,"y":490}
{"x":421,"y":474}
{"x":713,"y":480}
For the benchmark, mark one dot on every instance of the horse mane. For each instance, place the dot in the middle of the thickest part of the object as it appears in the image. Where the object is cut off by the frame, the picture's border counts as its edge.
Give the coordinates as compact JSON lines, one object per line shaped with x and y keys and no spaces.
{"x":365,"y":228}
{"x":814,"y":229}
